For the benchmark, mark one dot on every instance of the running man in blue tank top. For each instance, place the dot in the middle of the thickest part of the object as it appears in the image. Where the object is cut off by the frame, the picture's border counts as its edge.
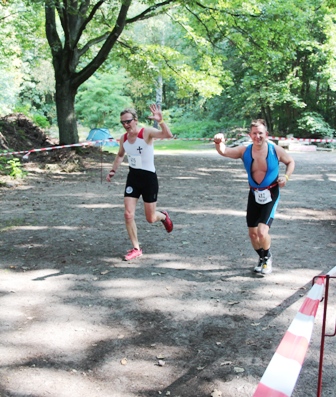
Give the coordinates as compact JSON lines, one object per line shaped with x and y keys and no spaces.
{"x":142,"y":180}
{"x":261,"y":160}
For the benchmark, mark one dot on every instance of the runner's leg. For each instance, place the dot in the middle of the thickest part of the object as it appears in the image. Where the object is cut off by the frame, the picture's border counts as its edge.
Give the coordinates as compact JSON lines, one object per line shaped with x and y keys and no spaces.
{"x":260,"y":237}
{"x":151,"y":214}
{"x":130,"y":205}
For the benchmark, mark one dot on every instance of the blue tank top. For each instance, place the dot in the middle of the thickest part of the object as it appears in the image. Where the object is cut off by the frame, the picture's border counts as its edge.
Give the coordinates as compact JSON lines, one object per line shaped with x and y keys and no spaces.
{"x":272,"y":161}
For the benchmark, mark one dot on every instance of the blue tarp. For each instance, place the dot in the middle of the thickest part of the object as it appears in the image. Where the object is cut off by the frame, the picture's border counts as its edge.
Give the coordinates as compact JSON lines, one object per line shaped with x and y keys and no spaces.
{"x":97,"y":134}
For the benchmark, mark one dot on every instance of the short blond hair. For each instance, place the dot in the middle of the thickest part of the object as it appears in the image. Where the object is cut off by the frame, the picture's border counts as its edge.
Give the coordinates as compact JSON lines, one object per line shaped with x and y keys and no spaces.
{"x":131,"y":111}
{"x":257,"y":123}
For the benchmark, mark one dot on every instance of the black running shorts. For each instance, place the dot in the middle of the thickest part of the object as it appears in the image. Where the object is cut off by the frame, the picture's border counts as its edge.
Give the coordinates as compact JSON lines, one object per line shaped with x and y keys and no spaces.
{"x":142,"y":183}
{"x":262,"y":213}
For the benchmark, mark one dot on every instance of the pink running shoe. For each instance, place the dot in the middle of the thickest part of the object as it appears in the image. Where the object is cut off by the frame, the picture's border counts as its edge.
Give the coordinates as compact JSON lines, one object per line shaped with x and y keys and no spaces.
{"x":167,"y":223}
{"x":132,"y":254}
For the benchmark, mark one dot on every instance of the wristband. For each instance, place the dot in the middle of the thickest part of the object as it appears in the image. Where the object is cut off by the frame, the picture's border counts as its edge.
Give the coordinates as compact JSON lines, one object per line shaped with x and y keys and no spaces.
{"x":112,"y":171}
{"x":160,"y":122}
{"x":287,"y":177}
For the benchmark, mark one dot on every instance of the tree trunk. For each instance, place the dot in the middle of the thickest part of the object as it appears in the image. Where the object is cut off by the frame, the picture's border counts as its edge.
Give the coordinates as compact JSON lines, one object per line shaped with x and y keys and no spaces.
{"x":158,"y":96}
{"x":73,"y":18}
{"x":65,"y":105}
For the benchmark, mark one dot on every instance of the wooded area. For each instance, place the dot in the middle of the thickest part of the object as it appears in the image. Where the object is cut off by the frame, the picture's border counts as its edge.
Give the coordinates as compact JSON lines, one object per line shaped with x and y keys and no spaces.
{"x":213,"y":65}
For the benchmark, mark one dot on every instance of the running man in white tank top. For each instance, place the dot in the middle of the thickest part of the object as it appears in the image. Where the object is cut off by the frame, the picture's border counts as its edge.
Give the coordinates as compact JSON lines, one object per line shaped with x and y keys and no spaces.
{"x":142,"y":180}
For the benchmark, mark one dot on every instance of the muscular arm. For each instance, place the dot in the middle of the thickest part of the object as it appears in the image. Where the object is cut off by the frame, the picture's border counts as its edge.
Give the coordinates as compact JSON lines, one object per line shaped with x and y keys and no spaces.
{"x":118,"y":159}
{"x":289,"y":162}
{"x":223,"y":150}
{"x":153,"y":133}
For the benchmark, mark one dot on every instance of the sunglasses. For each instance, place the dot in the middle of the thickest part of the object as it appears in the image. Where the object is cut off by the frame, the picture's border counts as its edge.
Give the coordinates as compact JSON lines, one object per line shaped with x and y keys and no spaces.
{"x":123,"y":122}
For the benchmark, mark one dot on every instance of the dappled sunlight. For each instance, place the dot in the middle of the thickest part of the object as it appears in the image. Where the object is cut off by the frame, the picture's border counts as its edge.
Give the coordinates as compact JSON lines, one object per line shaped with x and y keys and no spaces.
{"x":305,"y":214}
{"x":185,"y":177}
{"x":170,"y":261}
{"x":100,"y":205}
{"x":131,"y":288}
{"x":216,"y":211}
{"x":72,"y":308}
{"x":182,"y":264}
{"x":309,"y":274}
{"x":315,"y":177}
{"x":38,"y":228}
{"x":64,"y":334}
{"x":12,"y":315}
{"x":331,"y":177}
{"x":22,"y":283}
{"x":30,"y":227}
{"x":187,"y":309}
{"x":67,"y":382}
{"x":136,"y":367}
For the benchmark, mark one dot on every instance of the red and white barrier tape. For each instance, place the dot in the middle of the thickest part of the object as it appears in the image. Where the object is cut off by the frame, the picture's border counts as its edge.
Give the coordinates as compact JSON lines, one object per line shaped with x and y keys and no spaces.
{"x":302,"y":139}
{"x":284,"y":368}
{"x":86,"y":143}
{"x":89,"y":143}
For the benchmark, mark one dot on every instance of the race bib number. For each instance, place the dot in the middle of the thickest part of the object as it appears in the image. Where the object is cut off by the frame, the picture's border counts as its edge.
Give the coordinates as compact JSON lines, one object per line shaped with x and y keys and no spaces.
{"x":134,"y":161}
{"x":262,"y":196}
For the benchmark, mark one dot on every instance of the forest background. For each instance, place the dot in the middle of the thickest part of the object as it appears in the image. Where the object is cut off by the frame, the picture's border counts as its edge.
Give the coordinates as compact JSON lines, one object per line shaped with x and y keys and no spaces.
{"x":211,"y":65}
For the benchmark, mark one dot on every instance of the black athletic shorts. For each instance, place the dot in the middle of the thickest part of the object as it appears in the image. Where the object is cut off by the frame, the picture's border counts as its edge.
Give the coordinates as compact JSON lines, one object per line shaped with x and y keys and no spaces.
{"x":262,"y":213}
{"x":142,"y":183}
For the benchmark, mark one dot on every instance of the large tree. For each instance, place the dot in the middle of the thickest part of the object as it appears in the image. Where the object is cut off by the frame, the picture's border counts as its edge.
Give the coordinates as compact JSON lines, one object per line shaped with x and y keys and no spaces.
{"x":81,"y":35}
{"x":279,"y":54}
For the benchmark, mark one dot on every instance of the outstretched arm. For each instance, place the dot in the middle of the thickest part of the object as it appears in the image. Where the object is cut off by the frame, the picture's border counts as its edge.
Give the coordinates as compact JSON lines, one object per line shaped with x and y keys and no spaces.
{"x":157,"y":116}
{"x":223,"y":150}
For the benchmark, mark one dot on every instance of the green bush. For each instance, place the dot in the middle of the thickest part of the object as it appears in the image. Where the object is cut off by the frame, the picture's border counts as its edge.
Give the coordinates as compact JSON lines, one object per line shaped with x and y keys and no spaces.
{"x":312,"y":123}
{"x":24,"y":109}
{"x":196,"y":129}
{"x":41,"y":121}
{"x":12,"y":167}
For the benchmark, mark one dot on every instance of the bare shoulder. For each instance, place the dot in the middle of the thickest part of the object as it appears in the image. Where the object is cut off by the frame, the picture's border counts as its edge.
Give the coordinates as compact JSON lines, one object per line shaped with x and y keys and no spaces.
{"x":282,"y":154}
{"x":149,"y":134}
{"x":279,"y":150}
{"x":148,"y":131}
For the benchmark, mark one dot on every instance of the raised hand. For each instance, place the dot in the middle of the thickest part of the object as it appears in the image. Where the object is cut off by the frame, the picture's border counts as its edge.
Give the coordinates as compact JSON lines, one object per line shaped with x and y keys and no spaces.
{"x":156,"y":113}
{"x":218,"y":138}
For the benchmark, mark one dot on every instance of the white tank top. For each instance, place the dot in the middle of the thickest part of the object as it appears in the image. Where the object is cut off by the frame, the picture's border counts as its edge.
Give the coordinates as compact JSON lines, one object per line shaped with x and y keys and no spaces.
{"x":140,"y":155}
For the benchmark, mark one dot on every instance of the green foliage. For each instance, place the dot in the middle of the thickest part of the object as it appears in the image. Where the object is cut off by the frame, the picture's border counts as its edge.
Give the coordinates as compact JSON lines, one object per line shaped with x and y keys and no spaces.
{"x":12,"y":167}
{"x":172,"y":145}
{"x":37,"y":90}
{"x":38,"y":119}
{"x":222,"y":64}
{"x":195,"y":128}
{"x":312,"y":123}
{"x":24,"y":109}
{"x":101,"y":99}
{"x":178,"y":144}
{"x":23,"y":51}
{"x":9,"y":91}
{"x":41,"y":121}
{"x":280,"y":56}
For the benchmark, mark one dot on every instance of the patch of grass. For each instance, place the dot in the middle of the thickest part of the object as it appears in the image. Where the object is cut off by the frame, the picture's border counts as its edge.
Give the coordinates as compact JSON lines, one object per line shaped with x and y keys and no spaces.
{"x":179,"y":144}
{"x":173,"y":145}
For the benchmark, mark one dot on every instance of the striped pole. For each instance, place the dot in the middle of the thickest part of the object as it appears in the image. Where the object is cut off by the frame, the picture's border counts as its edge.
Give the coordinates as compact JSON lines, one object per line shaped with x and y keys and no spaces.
{"x":282,"y":372}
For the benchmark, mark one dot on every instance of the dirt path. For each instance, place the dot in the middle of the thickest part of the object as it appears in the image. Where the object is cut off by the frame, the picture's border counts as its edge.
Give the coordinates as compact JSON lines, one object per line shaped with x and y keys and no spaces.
{"x":183,"y":319}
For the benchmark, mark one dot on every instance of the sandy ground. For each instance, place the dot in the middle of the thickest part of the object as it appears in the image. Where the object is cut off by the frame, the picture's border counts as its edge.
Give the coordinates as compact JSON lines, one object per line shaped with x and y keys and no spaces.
{"x":189,"y":316}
